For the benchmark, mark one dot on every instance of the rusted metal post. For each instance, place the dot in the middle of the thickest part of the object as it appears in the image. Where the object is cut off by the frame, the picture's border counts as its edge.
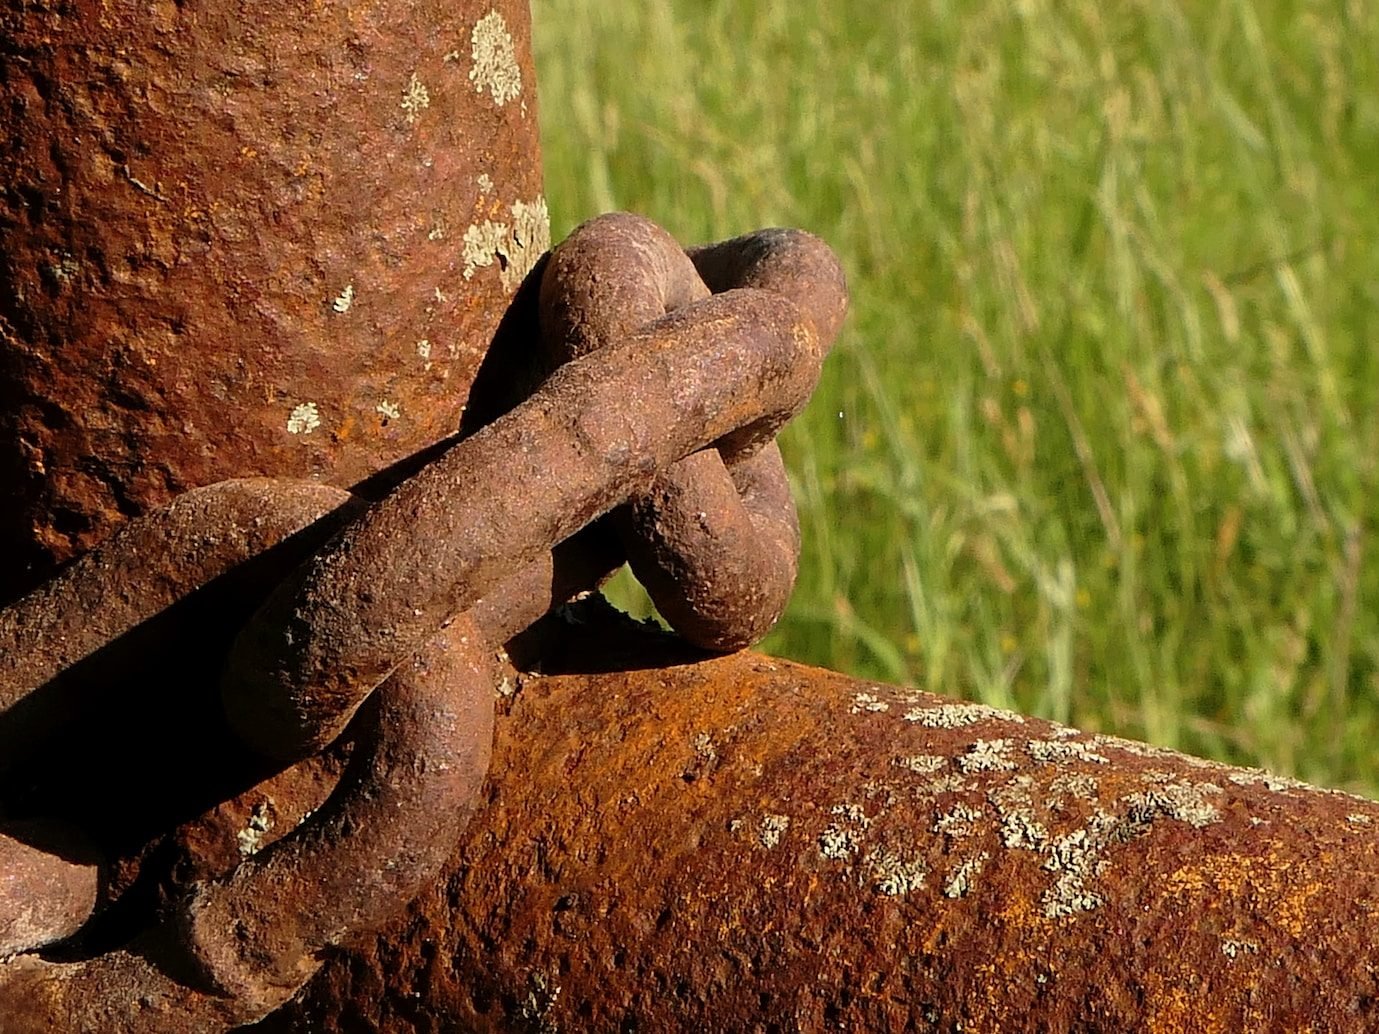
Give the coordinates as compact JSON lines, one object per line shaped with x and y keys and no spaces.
{"x":246,"y":239}
{"x":282,"y":242}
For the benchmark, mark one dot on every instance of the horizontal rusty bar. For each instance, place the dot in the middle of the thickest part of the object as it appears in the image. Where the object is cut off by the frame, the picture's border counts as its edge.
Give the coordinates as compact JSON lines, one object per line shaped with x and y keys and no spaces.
{"x":749,"y":844}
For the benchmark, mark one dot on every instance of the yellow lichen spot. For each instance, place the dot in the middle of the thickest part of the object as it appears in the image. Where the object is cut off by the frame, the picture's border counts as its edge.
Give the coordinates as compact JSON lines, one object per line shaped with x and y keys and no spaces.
{"x":303,"y":419}
{"x":481,"y":244}
{"x":495,"y":67}
{"x":415,"y":98}
{"x":515,"y":246}
{"x":250,"y":838}
{"x":1020,"y":388}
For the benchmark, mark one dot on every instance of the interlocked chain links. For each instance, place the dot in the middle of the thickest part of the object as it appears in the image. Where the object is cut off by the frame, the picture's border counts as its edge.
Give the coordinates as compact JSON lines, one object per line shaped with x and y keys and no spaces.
{"x":715,"y":540}
{"x":663,"y":409}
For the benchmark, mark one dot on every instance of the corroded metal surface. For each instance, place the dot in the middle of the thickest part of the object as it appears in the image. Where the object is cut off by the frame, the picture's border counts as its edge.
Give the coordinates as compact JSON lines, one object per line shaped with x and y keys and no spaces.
{"x":748,"y":844}
{"x":246,"y":240}
{"x":240,"y":242}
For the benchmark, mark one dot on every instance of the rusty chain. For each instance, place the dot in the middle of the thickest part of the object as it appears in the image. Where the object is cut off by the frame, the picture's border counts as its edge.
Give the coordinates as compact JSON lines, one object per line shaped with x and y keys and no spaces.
{"x":672,"y":372}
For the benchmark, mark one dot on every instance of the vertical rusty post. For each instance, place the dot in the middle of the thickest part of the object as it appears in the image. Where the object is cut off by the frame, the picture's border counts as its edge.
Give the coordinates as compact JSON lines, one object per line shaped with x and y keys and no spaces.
{"x":242,"y":239}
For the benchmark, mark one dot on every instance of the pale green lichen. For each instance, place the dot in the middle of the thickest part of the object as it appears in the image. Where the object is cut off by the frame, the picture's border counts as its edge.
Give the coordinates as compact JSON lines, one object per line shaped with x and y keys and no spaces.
{"x":1103,"y":741}
{"x":956,"y":716}
{"x":65,"y":269}
{"x":868,"y":702}
{"x":1077,"y":785}
{"x":531,"y":238}
{"x":304,"y":418}
{"x":772,"y":828}
{"x":893,"y":874}
{"x":987,"y":756}
{"x":1021,"y":832}
{"x":1186,"y":802}
{"x":947,"y":782}
{"x":1076,"y":860}
{"x":1015,"y":794}
{"x":962,"y":879}
{"x":838,"y":843}
{"x":516,"y":247}
{"x":536,"y":1008}
{"x":415,"y":99}
{"x":344,"y":300}
{"x":842,"y":839}
{"x":703,"y":747}
{"x":1359,"y":819}
{"x":482,"y":242}
{"x":250,"y":838}
{"x":1183,"y":801}
{"x":922,"y":764}
{"x":959,"y":821}
{"x":388,"y":410}
{"x":1053,"y":751}
{"x":495,"y":66}
{"x":1259,"y":777}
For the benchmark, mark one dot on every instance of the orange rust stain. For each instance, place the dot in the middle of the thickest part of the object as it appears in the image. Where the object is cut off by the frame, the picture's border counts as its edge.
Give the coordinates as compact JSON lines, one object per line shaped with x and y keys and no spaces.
{"x":1173,"y":1010}
{"x":1293,"y":907}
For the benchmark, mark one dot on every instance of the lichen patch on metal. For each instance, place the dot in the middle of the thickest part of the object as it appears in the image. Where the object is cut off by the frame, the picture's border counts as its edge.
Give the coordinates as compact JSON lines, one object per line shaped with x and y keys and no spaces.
{"x":868,"y":702}
{"x":494,"y":67}
{"x":344,"y":300}
{"x":304,"y":418}
{"x":772,"y":827}
{"x":415,"y":99}
{"x":514,"y":246}
{"x":250,"y":838}
{"x":954,"y":716}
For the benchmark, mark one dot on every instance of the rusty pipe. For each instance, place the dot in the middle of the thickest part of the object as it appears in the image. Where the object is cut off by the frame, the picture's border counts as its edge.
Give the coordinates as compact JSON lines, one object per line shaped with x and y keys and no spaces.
{"x":274,"y":240}
{"x":745,"y":843}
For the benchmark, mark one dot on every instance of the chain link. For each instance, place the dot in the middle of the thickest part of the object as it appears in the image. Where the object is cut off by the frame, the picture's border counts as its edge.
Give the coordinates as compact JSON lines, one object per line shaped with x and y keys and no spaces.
{"x":671,"y":373}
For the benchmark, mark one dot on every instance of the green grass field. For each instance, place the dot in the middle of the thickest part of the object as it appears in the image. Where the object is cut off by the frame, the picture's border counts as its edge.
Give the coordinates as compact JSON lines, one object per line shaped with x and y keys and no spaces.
{"x":1101,"y":438}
